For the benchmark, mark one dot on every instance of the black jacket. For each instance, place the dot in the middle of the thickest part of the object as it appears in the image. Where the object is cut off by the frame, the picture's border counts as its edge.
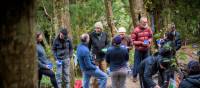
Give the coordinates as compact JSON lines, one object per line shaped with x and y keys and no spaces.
{"x":148,"y":67}
{"x":192,"y":81}
{"x":97,"y":43}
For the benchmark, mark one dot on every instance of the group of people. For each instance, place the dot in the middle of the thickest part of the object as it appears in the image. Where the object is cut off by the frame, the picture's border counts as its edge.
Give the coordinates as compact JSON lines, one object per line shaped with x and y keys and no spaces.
{"x":96,"y":51}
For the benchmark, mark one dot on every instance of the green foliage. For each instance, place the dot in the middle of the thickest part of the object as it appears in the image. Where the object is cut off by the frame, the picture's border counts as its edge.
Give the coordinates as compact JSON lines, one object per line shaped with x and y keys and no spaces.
{"x":182,"y":55}
{"x":122,"y":16}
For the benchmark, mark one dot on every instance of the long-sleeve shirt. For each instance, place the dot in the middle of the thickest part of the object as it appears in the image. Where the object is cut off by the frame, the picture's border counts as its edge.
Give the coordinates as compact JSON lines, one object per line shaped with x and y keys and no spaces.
{"x":84,"y":58}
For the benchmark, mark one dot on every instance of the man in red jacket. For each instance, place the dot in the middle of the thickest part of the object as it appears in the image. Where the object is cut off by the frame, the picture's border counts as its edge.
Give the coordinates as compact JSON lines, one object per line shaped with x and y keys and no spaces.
{"x":141,"y":39}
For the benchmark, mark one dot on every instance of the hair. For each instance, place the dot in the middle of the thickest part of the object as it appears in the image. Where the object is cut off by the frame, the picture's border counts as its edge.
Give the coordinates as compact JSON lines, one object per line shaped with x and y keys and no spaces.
{"x":194,"y":67}
{"x":37,"y":35}
{"x":84,"y":37}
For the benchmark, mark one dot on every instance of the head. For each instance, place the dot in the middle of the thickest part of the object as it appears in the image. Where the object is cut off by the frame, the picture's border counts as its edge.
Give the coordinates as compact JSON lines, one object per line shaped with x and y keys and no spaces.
{"x":143,"y":22}
{"x":98,"y":27}
{"x":122,"y":32}
{"x":39,"y":37}
{"x":166,"y":50}
{"x":173,"y":27}
{"x":85,"y":38}
{"x":63,"y":33}
{"x":194,"y":67}
{"x":164,"y":63}
{"x":117,"y":40}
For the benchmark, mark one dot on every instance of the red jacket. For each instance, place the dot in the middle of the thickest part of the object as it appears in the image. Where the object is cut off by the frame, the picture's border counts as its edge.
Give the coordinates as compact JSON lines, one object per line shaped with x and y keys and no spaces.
{"x":139,"y":35}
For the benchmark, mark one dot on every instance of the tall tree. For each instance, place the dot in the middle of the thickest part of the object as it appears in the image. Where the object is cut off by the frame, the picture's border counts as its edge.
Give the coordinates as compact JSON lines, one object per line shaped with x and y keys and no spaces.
{"x":109,"y":13}
{"x":62,"y":19}
{"x":137,"y":10}
{"x":17,"y":44}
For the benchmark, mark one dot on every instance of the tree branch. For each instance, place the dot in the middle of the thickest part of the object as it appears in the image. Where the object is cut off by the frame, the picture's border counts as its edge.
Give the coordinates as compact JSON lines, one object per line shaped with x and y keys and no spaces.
{"x":46,"y":13}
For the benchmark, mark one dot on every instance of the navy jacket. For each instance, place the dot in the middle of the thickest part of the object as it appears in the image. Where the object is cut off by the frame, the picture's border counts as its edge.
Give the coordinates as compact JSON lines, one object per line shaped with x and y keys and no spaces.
{"x":177,"y":41}
{"x":62,"y":49}
{"x":97,"y":43}
{"x":148,"y":67}
{"x":42,"y":58}
{"x":117,"y":57}
{"x":84,"y":58}
{"x":192,"y":81}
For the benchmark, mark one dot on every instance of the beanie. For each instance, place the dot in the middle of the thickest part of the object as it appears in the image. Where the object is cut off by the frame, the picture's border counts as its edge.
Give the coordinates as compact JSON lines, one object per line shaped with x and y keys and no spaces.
{"x":99,"y":25}
{"x":117,"y":40}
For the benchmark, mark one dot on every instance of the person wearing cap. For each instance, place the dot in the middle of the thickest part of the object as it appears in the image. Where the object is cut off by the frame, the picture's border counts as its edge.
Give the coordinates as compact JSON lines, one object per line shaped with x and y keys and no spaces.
{"x":99,"y":42}
{"x":193,"y":79}
{"x":44,"y":64}
{"x":63,"y":50}
{"x":117,"y":56}
{"x":141,"y":38}
{"x":88,"y":67}
{"x":151,"y":65}
{"x":126,"y":40}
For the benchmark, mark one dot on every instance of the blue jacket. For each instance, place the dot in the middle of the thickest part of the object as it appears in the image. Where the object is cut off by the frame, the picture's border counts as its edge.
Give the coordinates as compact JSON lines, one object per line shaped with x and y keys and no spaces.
{"x":62,"y":49}
{"x":42,"y":58}
{"x":148,"y":67}
{"x":117,"y":57}
{"x":193,"y":81}
{"x":84,"y":58}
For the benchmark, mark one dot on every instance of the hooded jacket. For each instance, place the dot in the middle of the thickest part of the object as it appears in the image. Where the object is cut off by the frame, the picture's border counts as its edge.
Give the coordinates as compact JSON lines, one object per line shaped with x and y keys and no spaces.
{"x":62,"y":49}
{"x":192,"y":81}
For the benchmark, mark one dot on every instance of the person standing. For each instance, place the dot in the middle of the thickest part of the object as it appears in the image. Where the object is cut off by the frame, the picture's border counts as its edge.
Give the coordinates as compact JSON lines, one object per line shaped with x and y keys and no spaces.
{"x":117,"y":56}
{"x":99,"y":41}
{"x":63,"y":50}
{"x":141,"y":37}
{"x":87,"y":65}
{"x":45,"y":65}
{"x":126,"y":40}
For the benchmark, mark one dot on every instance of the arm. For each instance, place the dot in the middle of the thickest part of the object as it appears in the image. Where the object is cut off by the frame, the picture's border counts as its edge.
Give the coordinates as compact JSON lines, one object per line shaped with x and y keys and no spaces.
{"x":150,"y":37}
{"x":88,"y":62}
{"x":130,"y":45}
{"x":148,"y":76}
{"x":90,"y":43}
{"x":107,"y":43}
{"x":70,"y":49}
{"x":107,"y":58}
{"x":134,"y":38}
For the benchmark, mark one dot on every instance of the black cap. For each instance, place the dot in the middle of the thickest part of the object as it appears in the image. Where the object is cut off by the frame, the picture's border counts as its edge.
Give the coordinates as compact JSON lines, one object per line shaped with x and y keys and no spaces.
{"x":63,"y":31}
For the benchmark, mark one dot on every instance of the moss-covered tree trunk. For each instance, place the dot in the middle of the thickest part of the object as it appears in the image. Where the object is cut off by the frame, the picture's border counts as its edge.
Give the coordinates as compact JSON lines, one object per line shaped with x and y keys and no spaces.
{"x":109,"y":13}
{"x":62,"y":19}
{"x":137,"y":10}
{"x":17,"y":44}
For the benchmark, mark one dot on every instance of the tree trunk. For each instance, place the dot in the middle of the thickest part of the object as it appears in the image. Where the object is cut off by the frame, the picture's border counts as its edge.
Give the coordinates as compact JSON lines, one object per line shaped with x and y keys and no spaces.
{"x":17,"y":44}
{"x":109,"y":13}
{"x":62,"y":19}
{"x":137,"y":10}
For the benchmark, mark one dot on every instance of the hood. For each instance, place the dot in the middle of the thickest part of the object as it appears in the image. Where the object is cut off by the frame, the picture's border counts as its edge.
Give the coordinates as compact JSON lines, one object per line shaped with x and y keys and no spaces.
{"x":195,"y":79}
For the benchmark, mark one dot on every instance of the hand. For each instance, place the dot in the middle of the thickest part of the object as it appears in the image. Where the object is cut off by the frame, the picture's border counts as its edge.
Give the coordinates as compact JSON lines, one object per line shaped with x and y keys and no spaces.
{"x":157,"y":86}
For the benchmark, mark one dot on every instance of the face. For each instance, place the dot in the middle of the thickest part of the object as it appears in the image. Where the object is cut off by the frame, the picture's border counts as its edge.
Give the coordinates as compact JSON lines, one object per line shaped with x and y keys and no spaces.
{"x":122,"y":34}
{"x":98,"y":29}
{"x":40,"y":38}
{"x":61,"y":36}
{"x":144,"y":24}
